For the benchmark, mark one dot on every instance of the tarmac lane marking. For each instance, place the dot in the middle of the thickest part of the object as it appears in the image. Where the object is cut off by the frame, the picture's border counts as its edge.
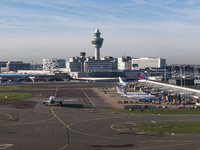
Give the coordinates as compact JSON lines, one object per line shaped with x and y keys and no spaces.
{"x":28,"y":123}
{"x":87,"y":134}
{"x":122,"y":126}
{"x":63,"y":124}
{"x":105,"y":100}
{"x":89,"y":99}
{"x":9,"y":116}
{"x":78,"y":132}
{"x":4,"y":146}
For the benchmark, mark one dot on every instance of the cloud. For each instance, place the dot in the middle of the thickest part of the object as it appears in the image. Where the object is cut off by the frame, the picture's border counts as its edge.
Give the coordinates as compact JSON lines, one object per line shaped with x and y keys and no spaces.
{"x":64,"y":28}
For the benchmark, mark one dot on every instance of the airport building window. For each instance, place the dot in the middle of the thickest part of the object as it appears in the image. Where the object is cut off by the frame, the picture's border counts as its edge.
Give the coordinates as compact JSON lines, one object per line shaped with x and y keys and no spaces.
{"x":135,"y":65}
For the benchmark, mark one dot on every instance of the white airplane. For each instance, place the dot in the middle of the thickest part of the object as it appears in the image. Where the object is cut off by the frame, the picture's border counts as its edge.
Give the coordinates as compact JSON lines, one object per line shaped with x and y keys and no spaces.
{"x":130,"y":93}
{"x":121,"y":82}
{"x":52,"y":101}
{"x":139,"y":96}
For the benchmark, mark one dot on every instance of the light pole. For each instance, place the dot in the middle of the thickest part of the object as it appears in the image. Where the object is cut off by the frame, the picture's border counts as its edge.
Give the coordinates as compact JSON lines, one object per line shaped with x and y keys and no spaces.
{"x":181,"y":93}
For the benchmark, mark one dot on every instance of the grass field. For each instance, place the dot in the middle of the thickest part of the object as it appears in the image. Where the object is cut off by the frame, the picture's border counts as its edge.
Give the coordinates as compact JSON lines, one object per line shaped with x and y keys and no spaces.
{"x":14,"y":95}
{"x":157,"y":111}
{"x":178,"y":127}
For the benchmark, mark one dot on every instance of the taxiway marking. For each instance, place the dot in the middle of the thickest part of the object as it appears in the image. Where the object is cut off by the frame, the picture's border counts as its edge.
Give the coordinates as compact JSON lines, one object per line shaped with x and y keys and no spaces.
{"x":89,"y":99}
{"x":4,"y":146}
{"x":9,"y":116}
{"x":105,"y":100}
{"x":63,"y":124}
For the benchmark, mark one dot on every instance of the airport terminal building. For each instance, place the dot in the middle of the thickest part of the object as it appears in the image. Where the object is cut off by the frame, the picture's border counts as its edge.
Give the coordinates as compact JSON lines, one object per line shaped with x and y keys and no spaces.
{"x":146,"y":62}
{"x":53,"y":63}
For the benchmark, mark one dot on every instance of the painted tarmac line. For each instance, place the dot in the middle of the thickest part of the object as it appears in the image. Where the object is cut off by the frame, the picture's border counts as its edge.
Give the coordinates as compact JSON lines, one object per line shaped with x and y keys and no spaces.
{"x":4,"y":146}
{"x":89,"y":99}
{"x":105,"y":99}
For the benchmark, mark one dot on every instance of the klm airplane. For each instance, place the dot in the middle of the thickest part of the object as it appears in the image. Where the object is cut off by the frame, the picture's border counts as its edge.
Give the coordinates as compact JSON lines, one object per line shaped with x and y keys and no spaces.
{"x":121,"y":82}
{"x":52,"y":101}
{"x":141,"y":96}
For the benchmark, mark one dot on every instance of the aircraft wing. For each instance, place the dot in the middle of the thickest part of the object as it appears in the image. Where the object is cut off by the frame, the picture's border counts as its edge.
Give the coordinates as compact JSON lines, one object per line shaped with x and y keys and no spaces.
{"x":58,"y":101}
{"x":43,"y":101}
{"x":67,"y":100}
{"x":141,"y":96}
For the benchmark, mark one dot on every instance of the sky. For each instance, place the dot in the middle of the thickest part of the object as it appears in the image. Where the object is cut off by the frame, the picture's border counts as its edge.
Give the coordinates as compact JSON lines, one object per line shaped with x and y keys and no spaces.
{"x":31,"y":30}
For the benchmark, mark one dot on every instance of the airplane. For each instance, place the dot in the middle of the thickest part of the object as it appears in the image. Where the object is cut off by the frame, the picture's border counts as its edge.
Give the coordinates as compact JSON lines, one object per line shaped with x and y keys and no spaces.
{"x":52,"y":101}
{"x":121,"y":82}
{"x":130,"y":93}
{"x":139,"y":96}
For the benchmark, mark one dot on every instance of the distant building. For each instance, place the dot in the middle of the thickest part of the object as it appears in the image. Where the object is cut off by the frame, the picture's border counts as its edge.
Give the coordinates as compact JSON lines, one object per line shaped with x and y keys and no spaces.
{"x":113,"y":61}
{"x":3,"y":63}
{"x":74,"y":64}
{"x":17,"y":65}
{"x":146,"y":62}
{"x":124,"y":63}
{"x":98,"y":66}
{"x":51,"y":64}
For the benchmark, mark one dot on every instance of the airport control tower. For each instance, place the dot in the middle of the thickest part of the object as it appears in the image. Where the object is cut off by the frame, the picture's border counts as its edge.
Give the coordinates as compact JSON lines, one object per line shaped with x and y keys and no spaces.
{"x":97,"y":42}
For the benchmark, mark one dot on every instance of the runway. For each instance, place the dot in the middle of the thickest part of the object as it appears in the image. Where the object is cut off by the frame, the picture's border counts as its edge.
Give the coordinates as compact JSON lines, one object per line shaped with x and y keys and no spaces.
{"x":81,"y":123}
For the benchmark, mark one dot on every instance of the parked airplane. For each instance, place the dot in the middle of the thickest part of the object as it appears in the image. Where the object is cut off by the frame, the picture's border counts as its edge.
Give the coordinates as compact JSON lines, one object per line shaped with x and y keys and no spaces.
{"x":139,"y":96}
{"x":130,"y":93}
{"x":121,"y":82}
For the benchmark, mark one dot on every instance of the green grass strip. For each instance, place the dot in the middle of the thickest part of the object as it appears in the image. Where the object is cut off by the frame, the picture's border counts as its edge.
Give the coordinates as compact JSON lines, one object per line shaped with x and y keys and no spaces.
{"x":14,"y":95}
{"x":176,"y":124}
{"x":173,"y":130}
{"x":178,"y":127}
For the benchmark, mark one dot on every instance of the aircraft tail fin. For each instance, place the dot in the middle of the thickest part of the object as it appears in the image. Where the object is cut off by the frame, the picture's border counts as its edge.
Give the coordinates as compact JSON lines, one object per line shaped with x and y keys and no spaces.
{"x":142,"y":75}
{"x":120,"y":80}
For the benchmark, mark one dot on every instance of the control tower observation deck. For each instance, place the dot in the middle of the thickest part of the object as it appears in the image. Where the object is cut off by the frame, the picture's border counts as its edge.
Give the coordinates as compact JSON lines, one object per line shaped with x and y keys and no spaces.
{"x":97,"y":42}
